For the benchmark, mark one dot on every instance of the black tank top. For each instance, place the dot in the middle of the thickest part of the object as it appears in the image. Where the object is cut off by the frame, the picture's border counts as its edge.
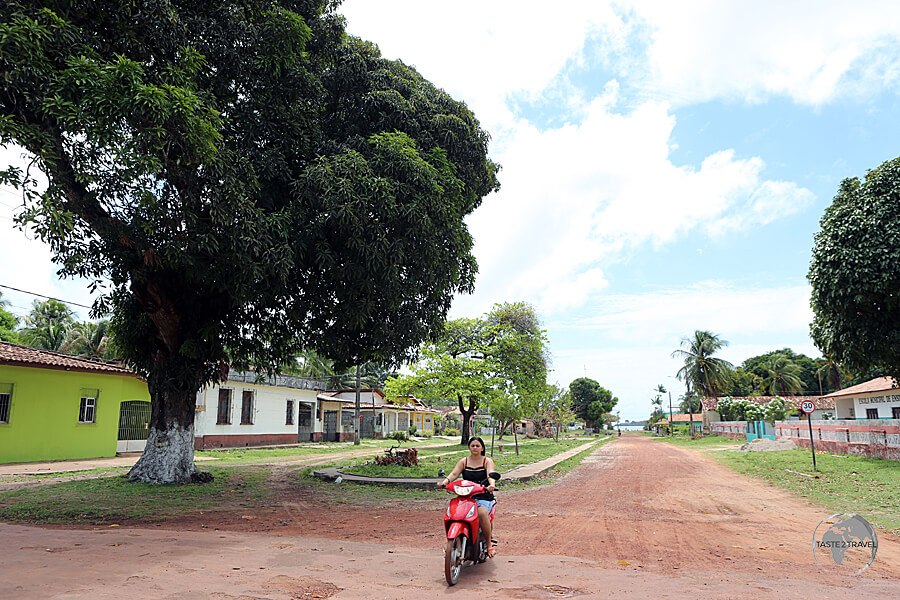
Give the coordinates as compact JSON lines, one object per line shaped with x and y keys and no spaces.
{"x":477,"y":475}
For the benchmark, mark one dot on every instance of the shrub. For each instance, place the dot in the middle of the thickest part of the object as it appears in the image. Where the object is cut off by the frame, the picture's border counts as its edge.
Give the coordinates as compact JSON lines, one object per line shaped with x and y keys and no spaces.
{"x":400,"y":436}
{"x":412,"y":430}
{"x":451,"y":431}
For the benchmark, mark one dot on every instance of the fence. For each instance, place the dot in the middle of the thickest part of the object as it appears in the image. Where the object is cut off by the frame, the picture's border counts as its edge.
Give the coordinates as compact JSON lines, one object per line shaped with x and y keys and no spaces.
{"x":864,"y":437}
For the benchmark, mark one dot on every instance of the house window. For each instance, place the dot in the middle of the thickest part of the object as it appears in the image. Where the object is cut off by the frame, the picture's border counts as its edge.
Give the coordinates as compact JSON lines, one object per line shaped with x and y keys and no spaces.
{"x":895,"y":412}
{"x":289,"y":417}
{"x":871,"y":413}
{"x":5,"y":401}
{"x":87,"y":410}
{"x":247,"y":408}
{"x":224,"y":414}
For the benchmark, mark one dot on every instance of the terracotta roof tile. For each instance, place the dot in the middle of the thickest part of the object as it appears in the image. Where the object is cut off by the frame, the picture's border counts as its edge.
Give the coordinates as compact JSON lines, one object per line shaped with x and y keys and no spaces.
{"x":15,"y":355}
{"x":879,"y":384}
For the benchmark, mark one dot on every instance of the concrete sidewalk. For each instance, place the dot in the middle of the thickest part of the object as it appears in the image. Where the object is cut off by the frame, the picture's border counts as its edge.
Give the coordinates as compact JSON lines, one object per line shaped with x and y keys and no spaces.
{"x":522,"y":473}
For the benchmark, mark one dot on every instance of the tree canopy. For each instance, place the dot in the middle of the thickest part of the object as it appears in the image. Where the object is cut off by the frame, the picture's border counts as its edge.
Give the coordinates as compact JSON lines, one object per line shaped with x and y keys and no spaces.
{"x":499,"y":361}
{"x":249,"y":179}
{"x":855,"y":273}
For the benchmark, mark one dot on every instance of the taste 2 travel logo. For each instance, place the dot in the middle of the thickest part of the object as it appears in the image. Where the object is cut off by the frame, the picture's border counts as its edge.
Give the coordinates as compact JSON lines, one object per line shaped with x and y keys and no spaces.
{"x":844,"y":543}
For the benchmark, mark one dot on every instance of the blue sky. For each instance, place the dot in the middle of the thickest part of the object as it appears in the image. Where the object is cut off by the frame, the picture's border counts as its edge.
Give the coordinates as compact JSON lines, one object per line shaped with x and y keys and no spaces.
{"x":665,"y":165}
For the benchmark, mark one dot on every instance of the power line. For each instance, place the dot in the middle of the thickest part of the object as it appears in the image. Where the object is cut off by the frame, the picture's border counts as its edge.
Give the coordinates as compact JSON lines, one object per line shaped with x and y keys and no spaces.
{"x":43,"y":296}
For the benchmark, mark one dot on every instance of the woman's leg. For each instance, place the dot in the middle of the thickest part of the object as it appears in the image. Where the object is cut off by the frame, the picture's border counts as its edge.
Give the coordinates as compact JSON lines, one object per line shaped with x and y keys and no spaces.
{"x":484,"y":518}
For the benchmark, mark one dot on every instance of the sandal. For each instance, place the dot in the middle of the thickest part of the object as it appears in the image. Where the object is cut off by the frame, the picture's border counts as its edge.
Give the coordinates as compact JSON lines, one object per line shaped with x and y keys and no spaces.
{"x":492,"y":551}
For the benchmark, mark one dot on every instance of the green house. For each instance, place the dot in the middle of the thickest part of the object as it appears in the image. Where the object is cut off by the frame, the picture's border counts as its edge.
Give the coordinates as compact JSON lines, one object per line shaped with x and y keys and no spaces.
{"x":57,"y":407}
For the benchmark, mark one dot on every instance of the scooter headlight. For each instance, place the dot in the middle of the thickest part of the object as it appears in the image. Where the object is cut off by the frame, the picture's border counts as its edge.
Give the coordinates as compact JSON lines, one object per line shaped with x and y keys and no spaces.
{"x":471,"y":512}
{"x":464,"y":491}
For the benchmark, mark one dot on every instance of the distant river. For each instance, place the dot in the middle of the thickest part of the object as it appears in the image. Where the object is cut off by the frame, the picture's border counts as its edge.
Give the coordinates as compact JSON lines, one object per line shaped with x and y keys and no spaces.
{"x":631,"y":427}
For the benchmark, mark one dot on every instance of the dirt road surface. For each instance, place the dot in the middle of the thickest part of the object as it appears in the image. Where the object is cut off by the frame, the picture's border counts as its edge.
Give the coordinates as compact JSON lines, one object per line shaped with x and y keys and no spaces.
{"x":639,"y":519}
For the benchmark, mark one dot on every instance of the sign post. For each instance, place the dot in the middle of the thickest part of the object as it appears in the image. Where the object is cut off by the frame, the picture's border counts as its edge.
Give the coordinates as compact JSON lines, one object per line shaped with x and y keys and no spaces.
{"x":807,"y":407}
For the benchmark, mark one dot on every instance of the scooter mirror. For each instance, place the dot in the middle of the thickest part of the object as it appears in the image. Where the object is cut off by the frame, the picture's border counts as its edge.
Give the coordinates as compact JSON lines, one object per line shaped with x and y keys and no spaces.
{"x":494,"y":475}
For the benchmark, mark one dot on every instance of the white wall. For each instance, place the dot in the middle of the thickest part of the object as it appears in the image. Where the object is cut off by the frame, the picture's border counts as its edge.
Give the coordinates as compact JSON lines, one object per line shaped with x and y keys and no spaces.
{"x":269,"y":410}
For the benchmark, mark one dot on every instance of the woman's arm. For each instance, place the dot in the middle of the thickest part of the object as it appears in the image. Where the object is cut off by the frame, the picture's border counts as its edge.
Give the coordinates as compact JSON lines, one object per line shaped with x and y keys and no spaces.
{"x":455,"y":472}
{"x":490,"y":468}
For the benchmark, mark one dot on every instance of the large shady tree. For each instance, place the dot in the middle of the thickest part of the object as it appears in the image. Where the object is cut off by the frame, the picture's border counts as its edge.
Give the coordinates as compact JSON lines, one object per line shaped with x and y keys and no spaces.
{"x":855,"y":274}
{"x":249,"y":179}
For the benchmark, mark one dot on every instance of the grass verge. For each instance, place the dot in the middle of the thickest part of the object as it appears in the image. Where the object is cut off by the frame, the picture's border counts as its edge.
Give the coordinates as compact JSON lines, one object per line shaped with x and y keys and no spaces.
{"x":349,"y":493}
{"x":433,"y":460}
{"x":261,"y":455}
{"x":114,"y":500}
{"x":868,"y":486}
{"x":701,"y":442}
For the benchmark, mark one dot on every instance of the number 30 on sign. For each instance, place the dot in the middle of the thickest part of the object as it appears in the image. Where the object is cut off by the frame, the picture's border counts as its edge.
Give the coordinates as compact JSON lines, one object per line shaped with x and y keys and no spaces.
{"x":807,"y":406}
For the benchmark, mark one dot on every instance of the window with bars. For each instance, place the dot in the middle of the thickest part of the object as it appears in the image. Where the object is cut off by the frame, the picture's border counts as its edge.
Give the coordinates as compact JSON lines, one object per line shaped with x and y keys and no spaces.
{"x":87,"y":410}
{"x":5,"y":401}
{"x":304,"y":417}
{"x":223,"y":415}
{"x":895,"y":412}
{"x":289,"y":417}
{"x":247,"y":408}
{"x":871,"y":413}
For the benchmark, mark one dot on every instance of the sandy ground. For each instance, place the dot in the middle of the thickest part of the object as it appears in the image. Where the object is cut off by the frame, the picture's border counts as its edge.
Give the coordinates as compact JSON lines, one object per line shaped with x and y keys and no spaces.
{"x":639,"y":519}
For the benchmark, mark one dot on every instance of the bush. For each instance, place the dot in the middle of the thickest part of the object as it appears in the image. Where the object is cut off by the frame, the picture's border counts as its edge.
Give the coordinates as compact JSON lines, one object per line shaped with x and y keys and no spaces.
{"x":400,"y":436}
{"x":451,"y":431}
{"x":412,"y":430}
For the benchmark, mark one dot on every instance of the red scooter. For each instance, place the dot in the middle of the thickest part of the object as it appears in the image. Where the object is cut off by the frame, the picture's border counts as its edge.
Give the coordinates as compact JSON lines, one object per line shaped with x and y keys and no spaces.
{"x":465,"y":538}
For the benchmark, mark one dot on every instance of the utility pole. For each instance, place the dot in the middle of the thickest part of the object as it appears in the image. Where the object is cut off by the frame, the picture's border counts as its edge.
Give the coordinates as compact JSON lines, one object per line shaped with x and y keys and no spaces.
{"x":356,"y":415}
{"x":670,"y":412}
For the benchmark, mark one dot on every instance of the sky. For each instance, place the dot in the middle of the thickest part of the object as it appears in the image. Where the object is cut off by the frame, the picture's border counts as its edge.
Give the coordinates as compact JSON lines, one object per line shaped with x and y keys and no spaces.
{"x":664,"y":166}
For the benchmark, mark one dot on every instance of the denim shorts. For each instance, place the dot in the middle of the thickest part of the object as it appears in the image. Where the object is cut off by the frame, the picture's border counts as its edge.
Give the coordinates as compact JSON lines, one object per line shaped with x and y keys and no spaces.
{"x":488,"y":504}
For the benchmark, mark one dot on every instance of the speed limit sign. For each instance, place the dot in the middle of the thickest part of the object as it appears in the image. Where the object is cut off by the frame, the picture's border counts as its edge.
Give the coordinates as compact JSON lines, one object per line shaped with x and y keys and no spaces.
{"x":807,"y":406}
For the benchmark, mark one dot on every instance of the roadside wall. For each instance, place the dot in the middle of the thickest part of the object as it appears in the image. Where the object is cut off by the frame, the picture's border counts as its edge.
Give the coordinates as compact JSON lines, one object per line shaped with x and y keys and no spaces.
{"x":871,"y":437}
{"x":731,"y":429}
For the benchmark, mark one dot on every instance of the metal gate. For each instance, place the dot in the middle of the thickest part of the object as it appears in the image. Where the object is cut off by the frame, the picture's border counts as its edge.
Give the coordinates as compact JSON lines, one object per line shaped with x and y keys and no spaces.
{"x":331,"y":419}
{"x":305,"y":422}
{"x":134,"y":425}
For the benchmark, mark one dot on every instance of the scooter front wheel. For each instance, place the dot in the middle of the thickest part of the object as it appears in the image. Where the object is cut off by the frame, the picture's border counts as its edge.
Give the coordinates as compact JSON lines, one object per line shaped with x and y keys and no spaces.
{"x":453,"y":558}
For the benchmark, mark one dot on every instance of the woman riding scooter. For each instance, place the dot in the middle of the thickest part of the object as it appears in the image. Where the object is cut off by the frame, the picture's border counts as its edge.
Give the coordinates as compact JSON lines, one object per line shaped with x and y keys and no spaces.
{"x":475,"y":468}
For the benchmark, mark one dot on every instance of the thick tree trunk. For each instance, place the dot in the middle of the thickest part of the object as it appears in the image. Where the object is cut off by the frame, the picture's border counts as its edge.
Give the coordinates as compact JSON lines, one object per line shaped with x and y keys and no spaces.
{"x":167,"y":458}
{"x":466,"y":416}
{"x":169,"y":454}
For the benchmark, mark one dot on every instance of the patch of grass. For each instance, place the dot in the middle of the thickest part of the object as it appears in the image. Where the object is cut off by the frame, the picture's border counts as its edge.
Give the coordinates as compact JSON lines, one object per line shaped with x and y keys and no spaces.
{"x":115,"y":500}
{"x":261,"y":455}
{"x":701,"y":442}
{"x":378,"y":494}
{"x":868,"y":486}
{"x":431,"y":461}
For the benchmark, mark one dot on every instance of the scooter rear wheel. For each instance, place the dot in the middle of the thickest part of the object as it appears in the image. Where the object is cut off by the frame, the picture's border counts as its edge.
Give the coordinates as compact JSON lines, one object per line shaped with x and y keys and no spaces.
{"x":453,"y":559}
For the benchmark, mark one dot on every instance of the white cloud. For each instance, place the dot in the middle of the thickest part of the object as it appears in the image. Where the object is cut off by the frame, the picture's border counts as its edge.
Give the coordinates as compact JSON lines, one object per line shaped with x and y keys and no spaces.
{"x":811,"y":53}
{"x":574,"y":199}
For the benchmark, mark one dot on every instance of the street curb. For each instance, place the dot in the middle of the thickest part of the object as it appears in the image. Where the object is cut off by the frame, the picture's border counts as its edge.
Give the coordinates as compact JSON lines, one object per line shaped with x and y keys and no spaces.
{"x":520,"y":473}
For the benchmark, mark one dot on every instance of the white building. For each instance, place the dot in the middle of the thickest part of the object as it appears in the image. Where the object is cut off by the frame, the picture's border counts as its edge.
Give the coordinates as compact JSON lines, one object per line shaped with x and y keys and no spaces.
{"x":252,"y":410}
{"x":875,"y":399}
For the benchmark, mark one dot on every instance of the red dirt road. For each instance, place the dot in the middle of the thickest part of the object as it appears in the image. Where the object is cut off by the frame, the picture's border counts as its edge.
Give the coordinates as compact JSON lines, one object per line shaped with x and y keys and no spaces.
{"x":686,"y":527}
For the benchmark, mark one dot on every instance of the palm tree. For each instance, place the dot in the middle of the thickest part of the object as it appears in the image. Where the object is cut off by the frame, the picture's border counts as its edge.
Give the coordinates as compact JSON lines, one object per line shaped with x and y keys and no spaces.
{"x":89,"y":339}
{"x":832,"y":373}
{"x":782,"y":376}
{"x":690,"y":404}
{"x":702,"y":372}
